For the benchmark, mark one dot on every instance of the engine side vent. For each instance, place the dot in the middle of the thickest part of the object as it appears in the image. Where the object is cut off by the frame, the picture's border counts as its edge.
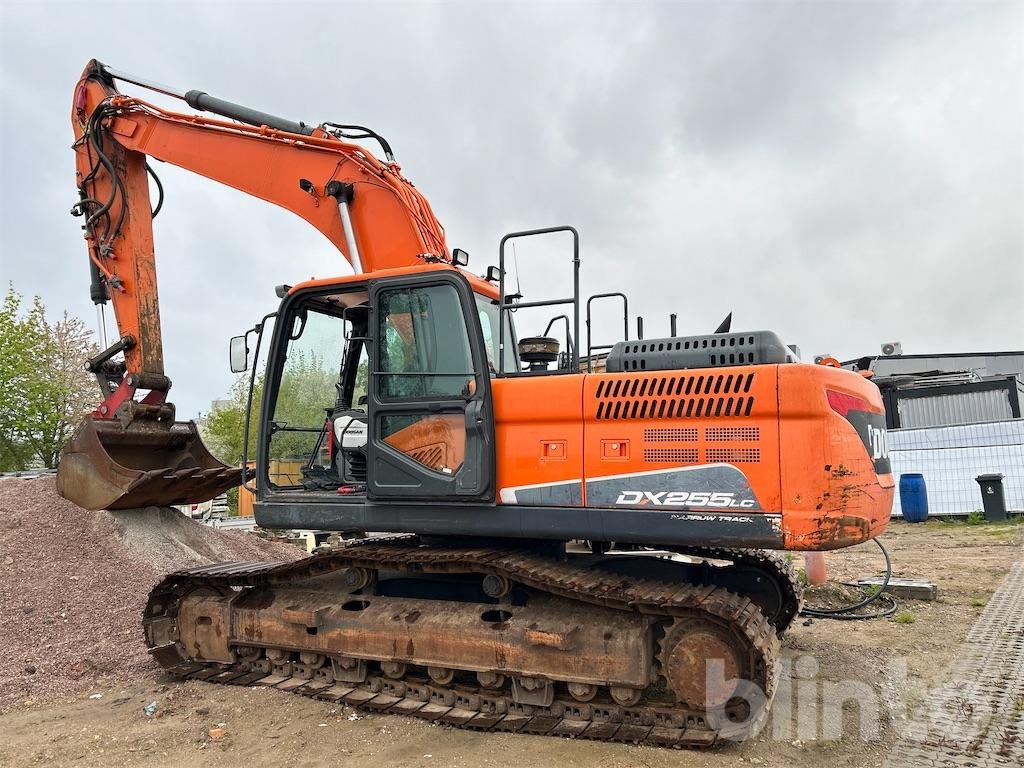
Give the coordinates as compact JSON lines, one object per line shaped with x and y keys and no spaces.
{"x":355,"y":465}
{"x":733,"y":455}
{"x":732,"y":434}
{"x":709,"y":351}
{"x":671,"y":434}
{"x":683,"y":396}
{"x":678,"y":455}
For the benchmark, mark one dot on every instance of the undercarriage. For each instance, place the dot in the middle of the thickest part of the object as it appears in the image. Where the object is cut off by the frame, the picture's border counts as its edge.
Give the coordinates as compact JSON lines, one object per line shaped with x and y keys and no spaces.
{"x":641,"y":646}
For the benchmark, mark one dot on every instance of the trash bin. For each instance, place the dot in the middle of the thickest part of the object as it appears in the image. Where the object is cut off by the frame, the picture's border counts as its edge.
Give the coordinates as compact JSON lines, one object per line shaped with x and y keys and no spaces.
{"x":992,"y":497}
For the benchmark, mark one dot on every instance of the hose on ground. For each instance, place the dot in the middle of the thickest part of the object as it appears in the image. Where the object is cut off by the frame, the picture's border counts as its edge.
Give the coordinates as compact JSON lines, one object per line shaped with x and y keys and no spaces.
{"x":850,"y":612}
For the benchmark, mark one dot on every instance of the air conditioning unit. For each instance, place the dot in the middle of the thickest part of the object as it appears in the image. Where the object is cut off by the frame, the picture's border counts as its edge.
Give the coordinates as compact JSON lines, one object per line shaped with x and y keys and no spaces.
{"x":891,"y":348}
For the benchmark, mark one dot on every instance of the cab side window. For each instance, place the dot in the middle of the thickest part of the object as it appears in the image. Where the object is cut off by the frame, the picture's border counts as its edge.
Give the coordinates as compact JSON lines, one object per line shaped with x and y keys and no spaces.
{"x":423,"y":345}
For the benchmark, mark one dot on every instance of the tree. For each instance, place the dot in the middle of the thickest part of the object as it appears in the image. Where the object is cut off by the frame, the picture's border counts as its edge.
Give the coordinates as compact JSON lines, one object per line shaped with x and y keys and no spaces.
{"x":224,"y":426}
{"x":44,"y":388}
{"x":307,"y":390}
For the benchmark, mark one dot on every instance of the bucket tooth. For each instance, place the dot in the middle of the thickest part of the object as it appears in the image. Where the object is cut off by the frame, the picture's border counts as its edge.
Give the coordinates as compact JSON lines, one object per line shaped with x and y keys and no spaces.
{"x":107,"y":465}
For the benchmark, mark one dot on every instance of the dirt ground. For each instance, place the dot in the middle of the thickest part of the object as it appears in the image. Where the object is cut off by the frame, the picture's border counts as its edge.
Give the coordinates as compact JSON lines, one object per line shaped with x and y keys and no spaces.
{"x":107,"y":726}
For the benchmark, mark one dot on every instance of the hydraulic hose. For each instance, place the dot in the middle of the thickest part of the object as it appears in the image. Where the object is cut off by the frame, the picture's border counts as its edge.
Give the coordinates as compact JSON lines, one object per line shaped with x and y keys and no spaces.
{"x":849,"y":612}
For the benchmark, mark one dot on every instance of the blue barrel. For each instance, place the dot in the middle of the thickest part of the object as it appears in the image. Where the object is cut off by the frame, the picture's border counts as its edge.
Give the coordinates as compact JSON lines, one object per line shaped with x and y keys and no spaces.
{"x":913,"y":498}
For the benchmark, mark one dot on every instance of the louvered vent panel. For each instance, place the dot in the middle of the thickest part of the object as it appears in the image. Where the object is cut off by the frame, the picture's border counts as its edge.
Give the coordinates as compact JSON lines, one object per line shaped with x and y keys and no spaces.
{"x":677,"y":455}
{"x":680,"y":396}
{"x":671,"y":435}
{"x":733,"y":455}
{"x":732,"y":357}
{"x":732,"y":434}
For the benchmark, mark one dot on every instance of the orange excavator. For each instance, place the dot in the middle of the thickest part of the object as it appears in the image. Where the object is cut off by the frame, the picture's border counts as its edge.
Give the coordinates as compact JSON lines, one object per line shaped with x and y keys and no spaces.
{"x":399,"y":400}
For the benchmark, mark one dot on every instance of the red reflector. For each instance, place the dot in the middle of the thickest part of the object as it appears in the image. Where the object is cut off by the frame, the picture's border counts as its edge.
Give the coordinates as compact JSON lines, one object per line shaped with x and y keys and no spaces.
{"x":843,"y":403}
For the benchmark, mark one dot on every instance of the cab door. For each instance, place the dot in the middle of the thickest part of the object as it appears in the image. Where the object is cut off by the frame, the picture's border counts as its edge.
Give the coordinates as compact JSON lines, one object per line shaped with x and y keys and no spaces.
{"x":430,"y":412}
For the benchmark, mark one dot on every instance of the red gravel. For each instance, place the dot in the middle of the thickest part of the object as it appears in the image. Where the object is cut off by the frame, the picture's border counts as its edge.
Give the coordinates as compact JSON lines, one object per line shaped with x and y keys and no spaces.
{"x":73,"y":584}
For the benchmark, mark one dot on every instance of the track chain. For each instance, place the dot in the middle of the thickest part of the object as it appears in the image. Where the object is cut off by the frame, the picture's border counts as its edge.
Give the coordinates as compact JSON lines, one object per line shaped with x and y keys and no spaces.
{"x":653,"y":721}
{"x":779,"y":568}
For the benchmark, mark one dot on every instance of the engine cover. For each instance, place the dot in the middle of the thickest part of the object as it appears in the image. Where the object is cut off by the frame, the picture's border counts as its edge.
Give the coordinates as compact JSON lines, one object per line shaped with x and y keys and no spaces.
{"x":709,"y":351}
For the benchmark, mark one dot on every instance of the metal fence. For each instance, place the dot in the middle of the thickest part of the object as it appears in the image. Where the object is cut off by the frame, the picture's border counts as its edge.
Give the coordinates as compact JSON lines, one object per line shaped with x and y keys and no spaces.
{"x":950,"y":458}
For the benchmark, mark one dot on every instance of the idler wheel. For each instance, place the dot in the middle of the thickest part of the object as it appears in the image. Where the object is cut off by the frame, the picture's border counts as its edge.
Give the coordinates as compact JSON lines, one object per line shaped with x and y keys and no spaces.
{"x":690,"y":647}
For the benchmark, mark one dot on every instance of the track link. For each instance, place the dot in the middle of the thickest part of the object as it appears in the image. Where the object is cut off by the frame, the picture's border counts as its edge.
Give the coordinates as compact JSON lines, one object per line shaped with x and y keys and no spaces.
{"x":657,"y":718}
{"x":775,"y":567}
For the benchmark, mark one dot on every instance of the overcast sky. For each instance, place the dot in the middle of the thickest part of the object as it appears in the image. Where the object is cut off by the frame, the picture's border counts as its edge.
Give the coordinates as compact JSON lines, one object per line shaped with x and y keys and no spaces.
{"x":842,"y":173}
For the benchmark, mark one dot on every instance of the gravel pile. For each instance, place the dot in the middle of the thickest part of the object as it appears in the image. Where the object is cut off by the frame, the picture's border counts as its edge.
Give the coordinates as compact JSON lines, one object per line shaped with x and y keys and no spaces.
{"x":73,"y":584}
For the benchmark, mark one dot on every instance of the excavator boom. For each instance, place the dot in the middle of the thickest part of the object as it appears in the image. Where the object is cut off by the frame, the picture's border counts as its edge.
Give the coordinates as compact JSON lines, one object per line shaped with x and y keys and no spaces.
{"x":131,"y":452}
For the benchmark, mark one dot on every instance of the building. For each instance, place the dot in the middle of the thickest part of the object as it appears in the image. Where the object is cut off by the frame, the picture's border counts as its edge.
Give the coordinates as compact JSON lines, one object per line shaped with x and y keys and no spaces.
{"x":951,"y":418}
{"x":947,"y":389}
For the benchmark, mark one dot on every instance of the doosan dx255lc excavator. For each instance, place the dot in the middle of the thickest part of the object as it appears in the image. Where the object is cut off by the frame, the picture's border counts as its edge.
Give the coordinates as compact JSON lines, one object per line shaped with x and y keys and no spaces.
{"x":400,"y":400}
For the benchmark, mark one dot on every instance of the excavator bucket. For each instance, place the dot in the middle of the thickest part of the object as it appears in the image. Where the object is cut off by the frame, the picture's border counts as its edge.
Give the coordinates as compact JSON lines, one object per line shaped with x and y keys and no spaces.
{"x":106,"y":465}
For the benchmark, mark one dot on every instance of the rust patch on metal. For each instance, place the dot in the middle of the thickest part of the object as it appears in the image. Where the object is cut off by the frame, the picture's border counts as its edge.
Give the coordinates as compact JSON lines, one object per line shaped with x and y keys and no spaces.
{"x":609,"y":624}
{"x":108,"y":465}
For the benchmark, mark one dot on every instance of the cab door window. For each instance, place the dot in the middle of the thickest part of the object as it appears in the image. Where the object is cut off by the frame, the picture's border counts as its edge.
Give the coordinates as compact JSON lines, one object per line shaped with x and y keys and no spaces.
{"x":424,"y":355}
{"x":423,"y":345}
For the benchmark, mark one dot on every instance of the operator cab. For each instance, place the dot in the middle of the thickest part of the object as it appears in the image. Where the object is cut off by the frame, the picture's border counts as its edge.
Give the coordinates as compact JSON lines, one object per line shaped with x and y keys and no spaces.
{"x":412,"y":355}
{"x":377,"y":386}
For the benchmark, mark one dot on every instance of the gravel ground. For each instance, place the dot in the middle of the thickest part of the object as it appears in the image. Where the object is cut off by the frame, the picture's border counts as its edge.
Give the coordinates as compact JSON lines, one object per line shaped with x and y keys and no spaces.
{"x":73,"y":584}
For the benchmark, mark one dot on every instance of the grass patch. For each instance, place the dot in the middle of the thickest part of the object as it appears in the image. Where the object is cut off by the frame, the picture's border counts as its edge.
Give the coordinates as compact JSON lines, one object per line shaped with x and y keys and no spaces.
{"x":904,"y":617}
{"x":976,"y":520}
{"x":976,"y":517}
{"x":978,"y":603}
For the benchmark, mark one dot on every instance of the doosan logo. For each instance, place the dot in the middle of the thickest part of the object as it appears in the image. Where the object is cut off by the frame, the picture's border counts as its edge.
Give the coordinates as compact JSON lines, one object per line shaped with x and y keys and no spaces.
{"x":878,"y":440}
{"x":684,"y":499}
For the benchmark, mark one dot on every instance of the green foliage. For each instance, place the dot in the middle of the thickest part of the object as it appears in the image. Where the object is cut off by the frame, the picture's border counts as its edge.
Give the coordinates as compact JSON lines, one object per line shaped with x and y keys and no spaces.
{"x":224,"y":426}
{"x":904,"y":617}
{"x":44,"y":391}
{"x":307,"y":390}
{"x":976,"y":517}
{"x":232,"y":497}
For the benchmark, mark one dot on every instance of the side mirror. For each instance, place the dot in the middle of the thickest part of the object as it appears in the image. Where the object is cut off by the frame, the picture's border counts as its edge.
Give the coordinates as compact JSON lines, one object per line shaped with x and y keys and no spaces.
{"x":460,"y":258}
{"x":238,"y":353}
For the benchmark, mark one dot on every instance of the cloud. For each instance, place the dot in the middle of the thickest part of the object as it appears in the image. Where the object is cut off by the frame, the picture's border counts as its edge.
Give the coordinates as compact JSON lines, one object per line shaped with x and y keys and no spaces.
{"x":843,"y":173}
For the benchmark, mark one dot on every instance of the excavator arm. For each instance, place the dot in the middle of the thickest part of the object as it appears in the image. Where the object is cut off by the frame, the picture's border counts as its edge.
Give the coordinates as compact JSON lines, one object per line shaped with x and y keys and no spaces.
{"x":130,"y":452}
